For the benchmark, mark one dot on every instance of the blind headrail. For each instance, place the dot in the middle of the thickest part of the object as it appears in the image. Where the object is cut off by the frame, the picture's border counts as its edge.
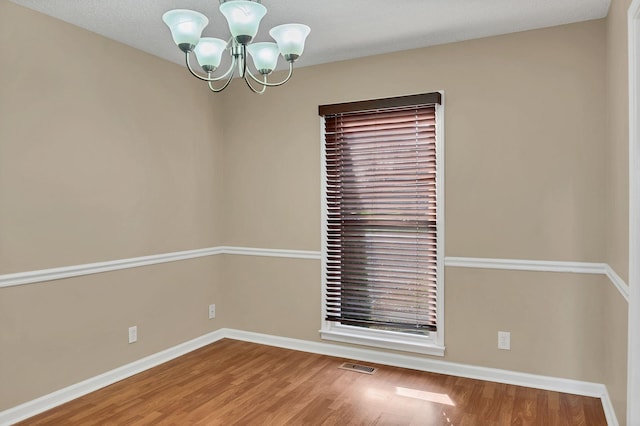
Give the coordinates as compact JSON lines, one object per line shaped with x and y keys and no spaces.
{"x":373,"y":104}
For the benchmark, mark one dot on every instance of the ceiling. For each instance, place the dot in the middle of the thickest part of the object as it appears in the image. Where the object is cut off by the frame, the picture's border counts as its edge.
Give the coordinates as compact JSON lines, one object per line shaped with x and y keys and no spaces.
{"x":340,"y":29}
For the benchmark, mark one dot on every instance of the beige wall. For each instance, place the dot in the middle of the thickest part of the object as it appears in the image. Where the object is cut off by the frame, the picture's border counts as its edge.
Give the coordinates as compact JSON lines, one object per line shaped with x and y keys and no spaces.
{"x":553,"y":317}
{"x":58,"y":333}
{"x":614,"y":343}
{"x":524,"y":144}
{"x":617,"y":119}
{"x":617,"y":201}
{"x":99,"y":160}
{"x":125,"y":165}
{"x":529,"y":175}
{"x":524,"y":179}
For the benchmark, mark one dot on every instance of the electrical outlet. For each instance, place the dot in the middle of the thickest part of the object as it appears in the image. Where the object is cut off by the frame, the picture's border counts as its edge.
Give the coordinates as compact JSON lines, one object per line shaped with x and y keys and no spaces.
{"x":504,"y":340}
{"x":133,"y":334}
{"x":212,"y":311}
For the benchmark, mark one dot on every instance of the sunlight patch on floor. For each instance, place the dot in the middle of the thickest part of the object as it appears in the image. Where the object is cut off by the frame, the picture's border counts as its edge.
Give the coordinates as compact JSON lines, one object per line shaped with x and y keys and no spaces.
{"x":439,"y":398}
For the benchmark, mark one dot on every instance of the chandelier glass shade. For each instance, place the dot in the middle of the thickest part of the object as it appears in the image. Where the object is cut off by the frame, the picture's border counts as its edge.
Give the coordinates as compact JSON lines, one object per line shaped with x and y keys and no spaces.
{"x":243,"y":18}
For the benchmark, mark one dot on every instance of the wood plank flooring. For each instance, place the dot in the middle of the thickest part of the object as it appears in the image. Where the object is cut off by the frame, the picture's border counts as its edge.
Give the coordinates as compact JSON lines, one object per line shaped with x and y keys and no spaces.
{"x":238,"y":383}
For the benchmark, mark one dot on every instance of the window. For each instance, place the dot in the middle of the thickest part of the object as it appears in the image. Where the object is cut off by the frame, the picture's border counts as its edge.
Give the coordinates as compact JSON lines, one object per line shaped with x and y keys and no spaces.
{"x":383,"y":227}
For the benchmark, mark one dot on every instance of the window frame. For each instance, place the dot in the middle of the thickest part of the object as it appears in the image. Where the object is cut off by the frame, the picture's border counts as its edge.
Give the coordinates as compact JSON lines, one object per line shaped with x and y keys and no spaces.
{"x":433,"y":344}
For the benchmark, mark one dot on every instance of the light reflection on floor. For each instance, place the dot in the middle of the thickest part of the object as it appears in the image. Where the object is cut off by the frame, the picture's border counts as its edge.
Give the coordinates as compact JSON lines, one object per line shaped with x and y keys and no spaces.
{"x":439,"y":398}
{"x":390,"y":395}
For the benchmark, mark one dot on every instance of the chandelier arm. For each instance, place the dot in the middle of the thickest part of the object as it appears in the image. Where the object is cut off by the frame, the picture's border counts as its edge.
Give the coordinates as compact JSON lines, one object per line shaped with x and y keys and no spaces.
{"x":264,"y":82}
{"x":242,"y":66}
{"x":210,"y":79}
{"x":253,"y":89}
{"x":229,"y":71}
{"x":224,"y":86}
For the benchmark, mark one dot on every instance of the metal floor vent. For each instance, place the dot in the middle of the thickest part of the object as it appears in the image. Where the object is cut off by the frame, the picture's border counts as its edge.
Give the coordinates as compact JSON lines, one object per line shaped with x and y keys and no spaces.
{"x":358,"y":368}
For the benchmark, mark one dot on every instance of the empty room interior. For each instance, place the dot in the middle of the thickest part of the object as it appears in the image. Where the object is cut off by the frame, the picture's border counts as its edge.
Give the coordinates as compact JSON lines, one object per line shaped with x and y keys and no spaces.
{"x":145,"y":219}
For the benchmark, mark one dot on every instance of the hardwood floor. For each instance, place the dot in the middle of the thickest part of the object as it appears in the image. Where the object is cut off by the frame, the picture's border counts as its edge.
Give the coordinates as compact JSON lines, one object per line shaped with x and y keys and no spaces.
{"x":233,"y":382}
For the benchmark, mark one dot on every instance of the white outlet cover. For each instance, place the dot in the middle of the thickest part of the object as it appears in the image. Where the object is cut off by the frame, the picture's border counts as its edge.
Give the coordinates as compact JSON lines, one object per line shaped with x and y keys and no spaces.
{"x":133,"y":334}
{"x":212,"y":311}
{"x":504,"y":340}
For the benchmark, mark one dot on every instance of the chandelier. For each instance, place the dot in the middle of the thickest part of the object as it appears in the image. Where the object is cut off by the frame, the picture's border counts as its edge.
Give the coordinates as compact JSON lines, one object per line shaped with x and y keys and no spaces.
{"x":243,"y":17}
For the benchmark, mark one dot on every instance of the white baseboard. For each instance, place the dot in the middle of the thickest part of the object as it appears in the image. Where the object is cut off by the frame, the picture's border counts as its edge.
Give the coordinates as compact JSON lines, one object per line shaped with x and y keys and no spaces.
{"x":555,"y":384}
{"x":607,"y":406}
{"x":59,"y":397}
{"x":36,"y":406}
{"x":425,"y":364}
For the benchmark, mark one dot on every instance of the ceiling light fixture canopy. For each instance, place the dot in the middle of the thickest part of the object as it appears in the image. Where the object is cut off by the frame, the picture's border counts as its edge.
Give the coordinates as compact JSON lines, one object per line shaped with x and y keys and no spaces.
{"x":243,"y":17}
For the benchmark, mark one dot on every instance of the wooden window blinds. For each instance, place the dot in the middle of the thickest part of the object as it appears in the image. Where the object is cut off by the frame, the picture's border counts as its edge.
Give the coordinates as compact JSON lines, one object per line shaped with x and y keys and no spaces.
{"x":381,"y":231}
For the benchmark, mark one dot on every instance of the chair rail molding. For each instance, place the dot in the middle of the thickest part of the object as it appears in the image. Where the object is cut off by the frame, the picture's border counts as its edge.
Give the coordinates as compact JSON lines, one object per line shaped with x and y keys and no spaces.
{"x":542,"y":266}
{"x":41,"y":275}
{"x":51,"y":274}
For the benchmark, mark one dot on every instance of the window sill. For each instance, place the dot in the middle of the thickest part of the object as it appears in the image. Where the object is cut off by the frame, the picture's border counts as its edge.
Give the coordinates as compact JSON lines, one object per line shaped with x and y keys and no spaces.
{"x":383,"y":339}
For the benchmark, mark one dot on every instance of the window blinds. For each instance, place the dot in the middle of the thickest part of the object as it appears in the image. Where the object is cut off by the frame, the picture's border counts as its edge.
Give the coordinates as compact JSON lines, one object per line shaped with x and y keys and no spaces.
{"x":381,"y":238}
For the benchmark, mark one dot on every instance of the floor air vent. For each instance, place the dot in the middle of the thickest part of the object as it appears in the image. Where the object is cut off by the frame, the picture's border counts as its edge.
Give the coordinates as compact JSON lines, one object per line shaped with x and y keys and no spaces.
{"x":358,"y":368}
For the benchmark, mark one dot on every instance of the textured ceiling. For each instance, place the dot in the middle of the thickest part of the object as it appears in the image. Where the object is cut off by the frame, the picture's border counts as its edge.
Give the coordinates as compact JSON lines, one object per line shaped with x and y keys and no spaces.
{"x":340,"y":29}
